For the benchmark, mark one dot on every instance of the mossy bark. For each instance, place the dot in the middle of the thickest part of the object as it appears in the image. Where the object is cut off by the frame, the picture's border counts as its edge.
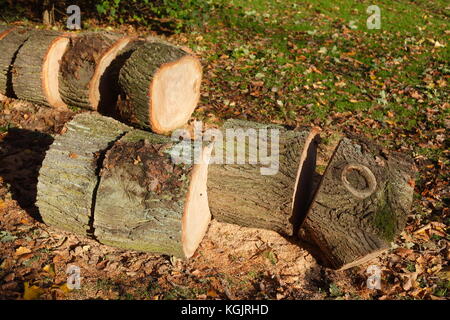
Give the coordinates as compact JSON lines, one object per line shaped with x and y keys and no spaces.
{"x":68,"y":178}
{"x":28,"y":66}
{"x":9,"y":47}
{"x":360,"y":206}
{"x":135,"y":80}
{"x":142,"y":194}
{"x":78,"y":66}
{"x":241,"y":194}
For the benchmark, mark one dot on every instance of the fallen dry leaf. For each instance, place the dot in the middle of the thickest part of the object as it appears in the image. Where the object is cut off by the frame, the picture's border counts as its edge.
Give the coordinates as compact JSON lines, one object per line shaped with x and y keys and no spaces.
{"x":50,"y":269}
{"x":22,"y":250}
{"x":32,"y":292}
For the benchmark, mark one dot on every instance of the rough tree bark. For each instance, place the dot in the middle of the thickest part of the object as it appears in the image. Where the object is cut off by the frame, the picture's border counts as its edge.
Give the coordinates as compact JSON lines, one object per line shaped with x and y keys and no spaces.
{"x":109,"y":82}
{"x":147,"y":201}
{"x":161,"y":87}
{"x":360,"y":206}
{"x":36,"y":68}
{"x":11,"y":39}
{"x":68,"y":178}
{"x":243,"y":195}
{"x":83,"y":66}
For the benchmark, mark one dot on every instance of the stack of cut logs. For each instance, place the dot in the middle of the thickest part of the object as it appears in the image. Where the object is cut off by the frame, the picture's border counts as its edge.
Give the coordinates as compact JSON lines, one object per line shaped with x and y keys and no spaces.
{"x":127,"y":187}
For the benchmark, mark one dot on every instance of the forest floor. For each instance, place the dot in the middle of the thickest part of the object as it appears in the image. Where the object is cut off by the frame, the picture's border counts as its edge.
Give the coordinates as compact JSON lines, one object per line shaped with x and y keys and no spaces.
{"x":283,"y":62}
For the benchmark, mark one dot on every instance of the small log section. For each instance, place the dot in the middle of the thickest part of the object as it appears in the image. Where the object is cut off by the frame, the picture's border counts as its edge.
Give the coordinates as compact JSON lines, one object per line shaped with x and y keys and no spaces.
{"x":36,"y":68}
{"x":83,"y":66}
{"x":252,"y":194}
{"x":360,"y":206}
{"x":161,"y":87}
{"x":68,"y":178}
{"x":149,"y":200}
{"x":11,"y":39}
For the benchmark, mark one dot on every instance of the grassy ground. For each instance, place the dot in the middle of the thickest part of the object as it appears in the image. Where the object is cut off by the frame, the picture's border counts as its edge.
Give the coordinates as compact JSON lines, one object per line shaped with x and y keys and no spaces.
{"x":304,"y":62}
{"x":316,"y":61}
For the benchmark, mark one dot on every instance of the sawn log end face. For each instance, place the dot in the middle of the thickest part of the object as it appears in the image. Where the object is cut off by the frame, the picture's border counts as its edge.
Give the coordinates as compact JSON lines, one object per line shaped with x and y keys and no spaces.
{"x":361,"y":204}
{"x":163,"y":94}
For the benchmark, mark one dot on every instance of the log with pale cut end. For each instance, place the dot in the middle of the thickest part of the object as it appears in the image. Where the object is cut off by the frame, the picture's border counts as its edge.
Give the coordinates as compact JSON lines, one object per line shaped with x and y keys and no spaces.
{"x":149,"y":200}
{"x":68,"y":178}
{"x":273,"y":189}
{"x":161,"y":87}
{"x":360,"y":206}
{"x":36,"y":68}
{"x":11,"y":40}
{"x":84,"y":66}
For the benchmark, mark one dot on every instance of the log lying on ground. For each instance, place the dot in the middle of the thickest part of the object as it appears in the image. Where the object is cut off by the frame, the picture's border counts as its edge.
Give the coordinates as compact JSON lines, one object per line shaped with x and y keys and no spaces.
{"x":252,"y":195}
{"x":36,"y":68}
{"x":83,"y":66}
{"x":148,"y":202}
{"x":161,"y":87}
{"x":11,"y":39}
{"x":360,"y":206}
{"x":109,"y":88}
{"x":68,"y":178}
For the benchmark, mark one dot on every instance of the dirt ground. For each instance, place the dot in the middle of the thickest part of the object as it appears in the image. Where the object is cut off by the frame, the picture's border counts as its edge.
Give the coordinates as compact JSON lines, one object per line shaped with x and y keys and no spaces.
{"x":232,"y":262}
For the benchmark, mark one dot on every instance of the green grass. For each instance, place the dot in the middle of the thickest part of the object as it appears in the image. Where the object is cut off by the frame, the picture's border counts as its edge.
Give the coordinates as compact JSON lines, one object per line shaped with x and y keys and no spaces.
{"x":323,"y":60}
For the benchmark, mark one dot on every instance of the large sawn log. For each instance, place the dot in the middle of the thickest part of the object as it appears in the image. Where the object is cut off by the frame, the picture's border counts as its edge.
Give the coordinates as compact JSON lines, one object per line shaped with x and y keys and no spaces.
{"x":150,"y":198}
{"x":68,"y":179}
{"x":360,"y":206}
{"x":36,"y":68}
{"x":252,"y":194}
{"x":127,"y":188}
{"x":161,"y":87}
{"x":85,"y":65}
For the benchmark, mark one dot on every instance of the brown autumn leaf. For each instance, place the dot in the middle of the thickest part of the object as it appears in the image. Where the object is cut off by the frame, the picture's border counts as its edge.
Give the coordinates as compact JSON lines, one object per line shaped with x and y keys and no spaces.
{"x":32,"y":292}
{"x":212,"y":293}
{"x":410,"y":281}
{"x":22,"y":250}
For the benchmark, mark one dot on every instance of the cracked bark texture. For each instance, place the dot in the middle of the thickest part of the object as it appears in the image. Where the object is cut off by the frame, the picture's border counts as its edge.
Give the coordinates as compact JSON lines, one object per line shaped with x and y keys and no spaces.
{"x":360,"y":206}
{"x":28,"y":66}
{"x":142,"y":195}
{"x":78,"y":66}
{"x":10,"y":42}
{"x":240,"y":194}
{"x":68,"y":178}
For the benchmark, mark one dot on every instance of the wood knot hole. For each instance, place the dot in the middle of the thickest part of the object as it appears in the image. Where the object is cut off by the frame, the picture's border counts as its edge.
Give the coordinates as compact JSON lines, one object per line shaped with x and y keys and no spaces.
{"x":359,"y":180}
